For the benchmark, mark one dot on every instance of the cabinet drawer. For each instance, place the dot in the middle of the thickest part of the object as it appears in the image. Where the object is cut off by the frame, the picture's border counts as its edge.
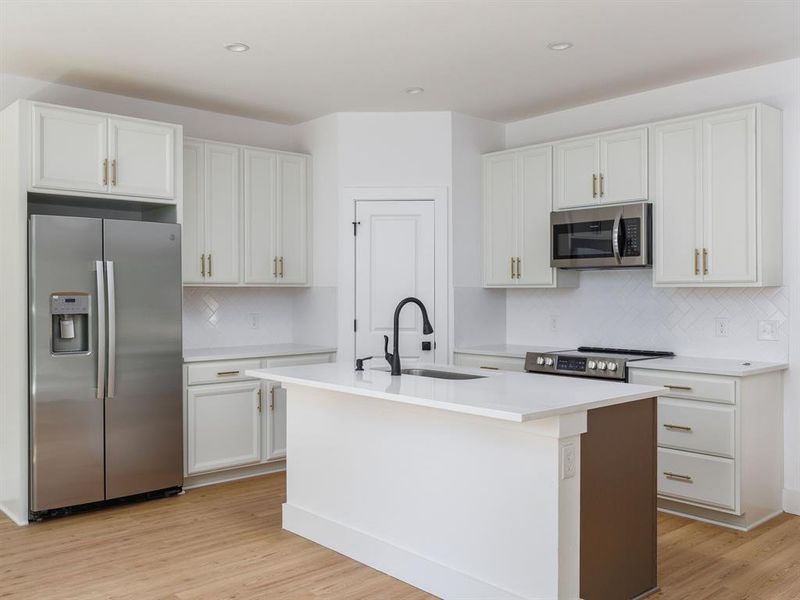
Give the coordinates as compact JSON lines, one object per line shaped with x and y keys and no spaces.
{"x":300,"y":359}
{"x":697,"y":478}
{"x":712,"y":388}
{"x":482,"y":361}
{"x":217,"y":372}
{"x":697,"y":426}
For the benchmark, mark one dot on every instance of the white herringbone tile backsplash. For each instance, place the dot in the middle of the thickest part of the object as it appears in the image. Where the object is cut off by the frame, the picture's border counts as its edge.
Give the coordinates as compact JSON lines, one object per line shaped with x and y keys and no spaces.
{"x":623,"y":309}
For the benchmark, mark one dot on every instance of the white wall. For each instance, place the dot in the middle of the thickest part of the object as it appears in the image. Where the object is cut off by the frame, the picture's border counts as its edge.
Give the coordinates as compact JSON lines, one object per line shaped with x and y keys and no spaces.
{"x":621,"y":309}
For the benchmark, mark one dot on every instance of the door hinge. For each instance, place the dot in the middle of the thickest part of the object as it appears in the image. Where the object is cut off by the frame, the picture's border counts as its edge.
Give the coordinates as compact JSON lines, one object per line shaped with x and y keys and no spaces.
{"x":355,"y":226}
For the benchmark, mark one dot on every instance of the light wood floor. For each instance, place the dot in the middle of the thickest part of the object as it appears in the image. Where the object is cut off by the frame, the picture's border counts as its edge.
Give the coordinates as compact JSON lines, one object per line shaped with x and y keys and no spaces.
{"x":225,"y":542}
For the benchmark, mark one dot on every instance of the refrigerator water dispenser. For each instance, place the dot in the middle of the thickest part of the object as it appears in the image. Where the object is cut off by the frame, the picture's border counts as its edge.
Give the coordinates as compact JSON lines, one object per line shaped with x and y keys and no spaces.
{"x":69,"y":316}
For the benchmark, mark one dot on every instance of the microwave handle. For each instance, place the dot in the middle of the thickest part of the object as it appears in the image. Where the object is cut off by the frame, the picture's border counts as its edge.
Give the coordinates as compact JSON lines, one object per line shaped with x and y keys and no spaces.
{"x":615,"y":238}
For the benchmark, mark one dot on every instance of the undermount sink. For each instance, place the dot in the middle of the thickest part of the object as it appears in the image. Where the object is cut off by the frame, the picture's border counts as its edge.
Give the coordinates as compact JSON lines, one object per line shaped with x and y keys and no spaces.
{"x":440,"y":374}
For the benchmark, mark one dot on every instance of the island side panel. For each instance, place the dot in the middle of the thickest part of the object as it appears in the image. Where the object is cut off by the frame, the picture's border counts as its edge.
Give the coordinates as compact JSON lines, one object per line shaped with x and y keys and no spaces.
{"x":458,"y":505}
{"x":618,"y":502}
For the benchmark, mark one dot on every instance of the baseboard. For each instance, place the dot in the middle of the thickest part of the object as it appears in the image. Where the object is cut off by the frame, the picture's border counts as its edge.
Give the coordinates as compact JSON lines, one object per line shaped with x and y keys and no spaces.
{"x":405,"y":565}
{"x":196,"y":481}
{"x":15,"y":518}
{"x":742,"y":528}
{"x":791,"y":501}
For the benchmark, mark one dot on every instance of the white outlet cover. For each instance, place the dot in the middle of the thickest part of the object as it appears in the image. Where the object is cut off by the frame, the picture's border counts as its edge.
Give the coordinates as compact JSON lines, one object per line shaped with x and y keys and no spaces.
{"x":722,"y":327}
{"x":568,"y":460}
{"x":768,"y":331}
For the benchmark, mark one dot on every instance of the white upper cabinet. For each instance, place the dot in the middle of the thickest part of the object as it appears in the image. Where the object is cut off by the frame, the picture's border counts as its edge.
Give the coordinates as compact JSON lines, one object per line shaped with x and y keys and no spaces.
{"x":69,"y":149}
{"x":85,"y":152}
{"x":142,"y":156}
{"x":607,"y":168}
{"x":517,"y":199}
{"x":222,"y":213}
{"x":292,"y":230}
{"x":245,"y":216}
{"x":718,"y":199}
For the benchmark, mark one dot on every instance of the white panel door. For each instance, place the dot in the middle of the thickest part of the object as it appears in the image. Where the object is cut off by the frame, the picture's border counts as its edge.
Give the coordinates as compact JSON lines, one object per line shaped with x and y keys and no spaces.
{"x":535,"y":201}
{"x":499,"y":219}
{"x":678,"y":201}
{"x":394,"y":260}
{"x":193,"y":234}
{"x":623,"y":166}
{"x":577,"y":165}
{"x":260,"y":257}
{"x":222,"y":213}
{"x":69,"y":150}
{"x":223,"y":426}
{"x":292,"y":229}
{"x":142,"y":158}
{"x":729,"y":177}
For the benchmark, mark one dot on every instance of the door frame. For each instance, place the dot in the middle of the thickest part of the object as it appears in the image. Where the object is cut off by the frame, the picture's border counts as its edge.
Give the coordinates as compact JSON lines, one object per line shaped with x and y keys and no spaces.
{"x":443,"y":283}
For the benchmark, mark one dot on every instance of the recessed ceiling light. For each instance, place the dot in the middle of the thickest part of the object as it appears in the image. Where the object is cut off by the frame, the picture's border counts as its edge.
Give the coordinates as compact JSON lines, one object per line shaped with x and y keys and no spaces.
{"x":560,"y":45}
{"x":237,"y":47}
{"x":414,"y":90}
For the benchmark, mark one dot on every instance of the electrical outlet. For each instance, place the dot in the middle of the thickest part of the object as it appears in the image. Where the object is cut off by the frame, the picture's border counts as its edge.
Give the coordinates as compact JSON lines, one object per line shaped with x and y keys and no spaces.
{"x":768,"y":331}
{"x":568,"y":460}
{"x":722,"y":327}
{"x":253,"y":320}
{"x":553,"y":322}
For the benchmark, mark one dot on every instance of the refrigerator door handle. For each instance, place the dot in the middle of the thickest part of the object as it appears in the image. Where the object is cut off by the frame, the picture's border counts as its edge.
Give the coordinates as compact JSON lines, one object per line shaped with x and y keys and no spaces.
{"x":101,"y":331}
{"x":112,"y":329}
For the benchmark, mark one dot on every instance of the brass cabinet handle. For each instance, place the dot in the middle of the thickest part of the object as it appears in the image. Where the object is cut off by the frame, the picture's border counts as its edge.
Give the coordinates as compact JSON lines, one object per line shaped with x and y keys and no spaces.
{"x":203,"y":265}
{"x":696,"y":261}
{"x":114,"y":172}
{"x":280,"y":264}
{"x":594,"y":185}
{"x":705,"y":261}
{"x":678,"y":387}
{"x":677,"y":427}
{"x":678,"y":477}
{"x":602,"y":186}
{"x":272,"y":399}
{"x":519,"y":267}
{"x":513,"y":272}
{"x":274,"y":266}
{"x":259,"y":400}
{"x":227,"y":373}
{"x":105,"y":171}
{"x":209,"y":265}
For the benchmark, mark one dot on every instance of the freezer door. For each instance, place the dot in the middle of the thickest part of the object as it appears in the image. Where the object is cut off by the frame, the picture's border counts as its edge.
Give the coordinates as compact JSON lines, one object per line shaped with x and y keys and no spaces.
{"x":144,"y":423}
{"x":66,"y":404}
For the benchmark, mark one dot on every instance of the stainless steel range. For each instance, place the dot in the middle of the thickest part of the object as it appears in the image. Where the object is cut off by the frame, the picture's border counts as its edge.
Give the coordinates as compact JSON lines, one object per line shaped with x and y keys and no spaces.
{"x":586,"y":361}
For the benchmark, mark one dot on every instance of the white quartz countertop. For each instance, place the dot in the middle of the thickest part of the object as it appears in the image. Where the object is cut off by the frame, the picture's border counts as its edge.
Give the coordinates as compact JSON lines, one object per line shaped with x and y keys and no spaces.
{"x":501,"y":395}
{"x":264,"y":351}
{"x":709,"y":366}
{"x":508,"y":350}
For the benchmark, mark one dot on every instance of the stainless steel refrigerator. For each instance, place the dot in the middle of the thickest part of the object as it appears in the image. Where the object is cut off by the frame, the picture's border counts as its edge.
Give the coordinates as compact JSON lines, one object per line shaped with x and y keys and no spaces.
{"x":105,"y":360}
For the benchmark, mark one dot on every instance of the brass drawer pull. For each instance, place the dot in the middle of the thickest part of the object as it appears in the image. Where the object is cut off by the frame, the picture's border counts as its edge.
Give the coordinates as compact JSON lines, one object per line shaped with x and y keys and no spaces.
{"x":602,"y":186}
{"x":678,"y":387}
{"x":203,"y":265}
{"x":114,"y":172}
{"x":105,"y":171}
{"x":519,"y":267}
{"x":705,"y":261}
{"x":280,"y":264}
{"x":513,"y":271}
{"x":209,"y":265}
{"x":227,"y":373}
{"x":677,"y":427}
{"x":490,"y":368}
{"x":696,"y":261}
{"x":678,"y":477}
{"x":274,"y":266}
{"x":594,"y":186}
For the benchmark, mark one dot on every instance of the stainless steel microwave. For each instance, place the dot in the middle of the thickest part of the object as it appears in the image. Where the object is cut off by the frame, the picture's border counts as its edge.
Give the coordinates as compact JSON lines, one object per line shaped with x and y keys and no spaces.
{"x":602,"y":238}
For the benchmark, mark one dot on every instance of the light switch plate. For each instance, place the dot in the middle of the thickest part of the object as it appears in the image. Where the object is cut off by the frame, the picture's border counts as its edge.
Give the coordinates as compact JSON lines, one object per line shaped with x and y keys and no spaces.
{"x":768,"y":331}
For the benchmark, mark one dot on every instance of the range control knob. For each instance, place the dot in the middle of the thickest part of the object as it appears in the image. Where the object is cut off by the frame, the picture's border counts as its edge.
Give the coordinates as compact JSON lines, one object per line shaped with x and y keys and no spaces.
{"x":592,"y":365}
{"x":612,"y":366}
{"x":548,"y":361}
{"x":539,"y":360}
{"x":601,"y":366}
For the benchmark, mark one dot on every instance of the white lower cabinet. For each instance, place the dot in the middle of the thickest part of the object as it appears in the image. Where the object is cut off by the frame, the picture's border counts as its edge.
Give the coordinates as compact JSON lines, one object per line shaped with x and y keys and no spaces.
{"x":720,"y":445}
{"x":488,"y":362}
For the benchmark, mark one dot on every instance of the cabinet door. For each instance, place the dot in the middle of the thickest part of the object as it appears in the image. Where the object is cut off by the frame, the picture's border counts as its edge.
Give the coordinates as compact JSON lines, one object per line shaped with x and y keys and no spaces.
{"x":193,"y":233}
{"x":259,"y":225}
{"x":292,"y":232}
{"x":535,"y":201}
{"x":678,"y":201}
{"x":69,"y":150}
{"x":222,"y":213}
{"x":729,"y":179}
{"x":623,"y":166}
{"x":577,"y":165}
{"x":499,"y":219}
{"x":276,"y":422}
{"x":223,"y":426}
{"x":142,"y":156}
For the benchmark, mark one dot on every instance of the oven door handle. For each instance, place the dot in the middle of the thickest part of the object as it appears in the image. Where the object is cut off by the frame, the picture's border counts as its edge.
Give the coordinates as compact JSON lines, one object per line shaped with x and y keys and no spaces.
{"x":615,"y":238}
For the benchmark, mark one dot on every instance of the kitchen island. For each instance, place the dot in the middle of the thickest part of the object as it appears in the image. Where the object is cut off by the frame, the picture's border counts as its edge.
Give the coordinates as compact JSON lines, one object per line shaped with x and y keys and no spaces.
{"x":501,"y":485}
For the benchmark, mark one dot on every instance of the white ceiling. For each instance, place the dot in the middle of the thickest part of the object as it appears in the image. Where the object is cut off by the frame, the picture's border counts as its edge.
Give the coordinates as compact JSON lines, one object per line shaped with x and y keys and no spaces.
{"x":310,"y":58}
